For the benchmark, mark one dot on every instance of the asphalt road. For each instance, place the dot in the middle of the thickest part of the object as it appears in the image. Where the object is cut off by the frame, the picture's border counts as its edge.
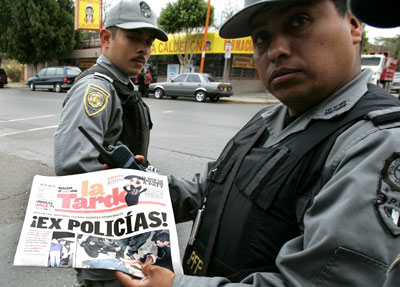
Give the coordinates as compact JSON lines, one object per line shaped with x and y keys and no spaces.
{"x":185,"y":136}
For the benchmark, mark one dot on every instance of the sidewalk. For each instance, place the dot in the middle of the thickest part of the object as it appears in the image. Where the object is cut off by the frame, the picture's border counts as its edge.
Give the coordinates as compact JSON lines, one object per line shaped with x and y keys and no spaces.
{"x":259,"y":98}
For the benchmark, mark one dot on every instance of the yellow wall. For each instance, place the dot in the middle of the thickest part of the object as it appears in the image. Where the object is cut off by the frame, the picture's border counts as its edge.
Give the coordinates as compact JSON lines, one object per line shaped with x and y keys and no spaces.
{"x":239,"y":46}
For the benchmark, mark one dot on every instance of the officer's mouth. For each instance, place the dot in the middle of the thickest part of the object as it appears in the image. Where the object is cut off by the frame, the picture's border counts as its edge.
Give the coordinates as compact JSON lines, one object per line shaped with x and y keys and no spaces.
{"x":281,"y":75}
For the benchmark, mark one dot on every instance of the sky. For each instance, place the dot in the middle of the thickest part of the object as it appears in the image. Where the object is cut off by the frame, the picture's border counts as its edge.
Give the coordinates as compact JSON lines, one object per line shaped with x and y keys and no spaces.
{"x":221,"y":5}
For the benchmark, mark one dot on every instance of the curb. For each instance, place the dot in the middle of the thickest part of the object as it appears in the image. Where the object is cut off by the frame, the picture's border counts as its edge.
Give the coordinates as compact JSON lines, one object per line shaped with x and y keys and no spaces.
{"x":250,"y":102}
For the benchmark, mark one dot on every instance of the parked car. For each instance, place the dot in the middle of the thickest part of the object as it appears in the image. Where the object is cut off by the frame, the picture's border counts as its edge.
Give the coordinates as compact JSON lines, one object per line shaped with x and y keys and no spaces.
{"x":197,"y":85}
{"x":3,"y":78}
{"x":395,"y":87}
{"x":54,"y":78}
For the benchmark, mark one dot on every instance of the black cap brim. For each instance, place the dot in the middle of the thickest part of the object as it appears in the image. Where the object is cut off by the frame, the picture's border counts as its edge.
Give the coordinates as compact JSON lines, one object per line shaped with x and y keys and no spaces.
{"x":381,"y":14}
{"x":238,"y":25}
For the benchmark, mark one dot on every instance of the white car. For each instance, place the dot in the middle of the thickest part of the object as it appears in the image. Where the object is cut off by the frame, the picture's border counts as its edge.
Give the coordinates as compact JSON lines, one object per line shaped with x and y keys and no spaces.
{"x":197,"y":85}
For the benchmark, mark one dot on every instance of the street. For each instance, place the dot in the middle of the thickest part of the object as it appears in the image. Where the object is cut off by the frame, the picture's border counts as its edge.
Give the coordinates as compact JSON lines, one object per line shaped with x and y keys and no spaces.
{"x":185,"y":136}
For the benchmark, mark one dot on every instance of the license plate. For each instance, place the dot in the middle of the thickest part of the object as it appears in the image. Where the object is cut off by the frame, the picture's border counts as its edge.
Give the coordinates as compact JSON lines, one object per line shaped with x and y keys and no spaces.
{"x":225,"y":89}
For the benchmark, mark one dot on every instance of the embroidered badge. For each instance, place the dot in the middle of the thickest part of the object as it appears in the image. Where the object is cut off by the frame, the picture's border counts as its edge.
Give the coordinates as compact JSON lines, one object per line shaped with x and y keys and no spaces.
{"x":95,"y":99}
{"x":145,"y":9}
{"x":387,"y":204}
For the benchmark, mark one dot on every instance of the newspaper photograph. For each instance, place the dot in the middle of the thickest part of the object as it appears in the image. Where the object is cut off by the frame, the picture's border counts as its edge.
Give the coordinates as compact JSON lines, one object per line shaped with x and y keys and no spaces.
{"x":118,"y":219}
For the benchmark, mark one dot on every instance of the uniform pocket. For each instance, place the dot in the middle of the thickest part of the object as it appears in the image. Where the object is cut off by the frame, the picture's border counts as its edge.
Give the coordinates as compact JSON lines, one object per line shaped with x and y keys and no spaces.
{"x":351,"y":266}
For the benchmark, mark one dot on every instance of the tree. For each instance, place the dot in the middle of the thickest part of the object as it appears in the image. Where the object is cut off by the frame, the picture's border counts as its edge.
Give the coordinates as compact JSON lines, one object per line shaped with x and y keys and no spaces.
{"x":39,"y":30}
{"x":4,"y":23}
{"x":390,"y":44}
{"x":182,"y":19}
{"x":365,"y":42}
{"x":230,"y":8}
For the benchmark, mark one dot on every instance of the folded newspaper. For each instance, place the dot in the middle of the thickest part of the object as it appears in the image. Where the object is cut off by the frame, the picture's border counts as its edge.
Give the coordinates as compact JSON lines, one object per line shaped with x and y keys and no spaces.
{"x":117,"y":219}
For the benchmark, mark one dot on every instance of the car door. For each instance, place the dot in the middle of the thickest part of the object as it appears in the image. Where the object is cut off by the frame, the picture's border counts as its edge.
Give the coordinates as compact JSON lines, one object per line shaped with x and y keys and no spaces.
{"x":50,"y":77}
{"x":40,"y":79}
{"x":192,"y":83}
{"x":175,"y":87}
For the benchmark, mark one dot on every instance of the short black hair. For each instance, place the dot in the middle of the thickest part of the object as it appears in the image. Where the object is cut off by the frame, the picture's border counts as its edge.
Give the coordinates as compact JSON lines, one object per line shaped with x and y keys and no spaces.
{"x":341,"y":6}
{"x":113,"y":31}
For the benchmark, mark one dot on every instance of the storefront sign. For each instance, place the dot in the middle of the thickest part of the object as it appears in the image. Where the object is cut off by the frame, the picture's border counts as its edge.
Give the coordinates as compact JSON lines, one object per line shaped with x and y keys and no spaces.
{"x":215,"y":45}
{"x":87,"y":14}
{"x":243,"y":61}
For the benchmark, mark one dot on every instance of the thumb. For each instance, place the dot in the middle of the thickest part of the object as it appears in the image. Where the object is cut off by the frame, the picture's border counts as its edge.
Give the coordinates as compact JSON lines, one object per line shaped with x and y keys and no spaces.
{"x":139,"y":158}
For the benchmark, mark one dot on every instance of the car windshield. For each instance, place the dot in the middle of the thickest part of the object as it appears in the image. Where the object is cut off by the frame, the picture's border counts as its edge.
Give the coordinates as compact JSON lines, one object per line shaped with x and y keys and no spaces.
{"x":370,"y":61}
{"x":73,"y":71}
{"x":209,"y":78}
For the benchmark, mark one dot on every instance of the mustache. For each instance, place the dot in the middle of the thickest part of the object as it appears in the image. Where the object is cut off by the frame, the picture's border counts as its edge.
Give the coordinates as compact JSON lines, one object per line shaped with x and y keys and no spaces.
{"x":139,"y":58}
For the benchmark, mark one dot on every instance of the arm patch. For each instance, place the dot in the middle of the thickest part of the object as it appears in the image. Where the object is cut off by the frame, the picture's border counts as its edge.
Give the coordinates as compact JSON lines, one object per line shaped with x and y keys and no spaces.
{"x":95,"y":99}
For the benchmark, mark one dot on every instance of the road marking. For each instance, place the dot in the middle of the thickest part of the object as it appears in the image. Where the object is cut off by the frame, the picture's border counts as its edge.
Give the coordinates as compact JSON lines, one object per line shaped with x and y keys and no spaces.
{"x":167,"y":112}
{"x":26,"y":119}
{"x":28,"y":131}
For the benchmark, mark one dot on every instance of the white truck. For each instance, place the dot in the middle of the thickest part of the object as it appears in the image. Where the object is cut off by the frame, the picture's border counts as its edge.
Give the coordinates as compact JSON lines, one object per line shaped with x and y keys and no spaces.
{"x":383,"y":67}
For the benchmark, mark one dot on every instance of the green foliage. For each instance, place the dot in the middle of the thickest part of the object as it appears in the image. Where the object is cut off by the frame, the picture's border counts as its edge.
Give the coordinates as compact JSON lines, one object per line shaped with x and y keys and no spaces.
{"x":390,"y":44}
{"x":365,"y":42}
{"x":13,"y":70}
{"x":185,"y":15}
{"x":37,"y":30}
{"x":14,"y":73}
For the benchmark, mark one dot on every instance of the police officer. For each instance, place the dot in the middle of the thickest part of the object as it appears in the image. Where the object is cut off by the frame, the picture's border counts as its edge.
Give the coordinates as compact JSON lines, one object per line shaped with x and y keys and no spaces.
{"x":307,"y":192}
{"x":103,"y":99}
{"x":104,"y":102}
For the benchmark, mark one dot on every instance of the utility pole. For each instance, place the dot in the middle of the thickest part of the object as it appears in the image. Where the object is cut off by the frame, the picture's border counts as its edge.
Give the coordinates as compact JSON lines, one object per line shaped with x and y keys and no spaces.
{"x":203,"y":54}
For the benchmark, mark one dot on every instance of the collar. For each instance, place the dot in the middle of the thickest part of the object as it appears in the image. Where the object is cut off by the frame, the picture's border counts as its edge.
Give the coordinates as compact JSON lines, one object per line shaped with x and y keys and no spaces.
{"x":335,"y":105}
{"x":106,"y":63}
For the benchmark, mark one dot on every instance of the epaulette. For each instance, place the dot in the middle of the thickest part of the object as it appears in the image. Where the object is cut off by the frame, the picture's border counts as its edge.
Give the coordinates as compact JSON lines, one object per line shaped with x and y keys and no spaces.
{"x":379,"y":117}
{"x":103,"y":76}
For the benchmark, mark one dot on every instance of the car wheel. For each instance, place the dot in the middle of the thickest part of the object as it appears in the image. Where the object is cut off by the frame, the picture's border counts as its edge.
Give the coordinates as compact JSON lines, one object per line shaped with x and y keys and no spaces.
{"x":174,"y":97}
{"x":200,"y":96}
{"x":216,"y":99}
{"x":57,"y":88}
{"x":32,"y":86}
{"x":158,"y":93}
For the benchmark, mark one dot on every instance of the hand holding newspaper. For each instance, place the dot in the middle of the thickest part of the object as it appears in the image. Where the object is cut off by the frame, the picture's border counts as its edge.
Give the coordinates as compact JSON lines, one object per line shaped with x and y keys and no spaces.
{"x":117,"y":219}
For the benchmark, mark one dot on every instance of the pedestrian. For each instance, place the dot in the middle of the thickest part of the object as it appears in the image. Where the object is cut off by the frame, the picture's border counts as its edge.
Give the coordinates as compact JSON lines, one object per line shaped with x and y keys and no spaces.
{"x":307,"y":192}
{"x":55,"y":253}
{"x":147,"y":81}
{"x":104,"y":102}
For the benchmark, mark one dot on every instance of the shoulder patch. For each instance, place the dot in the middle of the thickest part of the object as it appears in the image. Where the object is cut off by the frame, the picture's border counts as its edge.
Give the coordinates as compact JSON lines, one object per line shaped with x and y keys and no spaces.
{"x":95,"y":99}
{"x":387,"y":205}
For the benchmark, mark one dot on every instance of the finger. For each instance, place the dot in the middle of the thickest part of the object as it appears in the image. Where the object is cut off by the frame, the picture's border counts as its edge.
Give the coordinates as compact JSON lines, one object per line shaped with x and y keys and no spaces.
{"x":125,"y":279}
{"x":139,"y":158}
{"x":105,"y":166}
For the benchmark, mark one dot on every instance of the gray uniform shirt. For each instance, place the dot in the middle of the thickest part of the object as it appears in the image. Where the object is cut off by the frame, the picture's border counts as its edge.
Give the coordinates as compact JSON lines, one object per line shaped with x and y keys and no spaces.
{"x":93,"y":103}
{"x":343,"y":243}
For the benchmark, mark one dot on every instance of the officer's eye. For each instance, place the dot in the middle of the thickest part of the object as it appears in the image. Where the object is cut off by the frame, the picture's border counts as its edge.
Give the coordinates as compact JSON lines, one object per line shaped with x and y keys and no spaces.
{"x":260,"y":38}
{"x":150,"y":43}
{"x":298,"y":20}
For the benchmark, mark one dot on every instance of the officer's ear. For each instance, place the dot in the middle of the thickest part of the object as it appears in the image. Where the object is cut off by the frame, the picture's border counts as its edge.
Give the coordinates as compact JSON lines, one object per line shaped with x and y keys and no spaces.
{"x":106,"y":37}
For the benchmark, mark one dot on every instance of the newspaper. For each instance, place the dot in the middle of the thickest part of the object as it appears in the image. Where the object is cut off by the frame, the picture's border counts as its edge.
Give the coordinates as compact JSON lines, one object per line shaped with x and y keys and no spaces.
{"x":117,"y":219}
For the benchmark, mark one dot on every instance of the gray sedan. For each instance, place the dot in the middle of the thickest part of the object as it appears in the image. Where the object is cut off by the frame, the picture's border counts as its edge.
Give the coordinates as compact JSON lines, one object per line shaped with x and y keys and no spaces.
{"x":197,"y":85}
